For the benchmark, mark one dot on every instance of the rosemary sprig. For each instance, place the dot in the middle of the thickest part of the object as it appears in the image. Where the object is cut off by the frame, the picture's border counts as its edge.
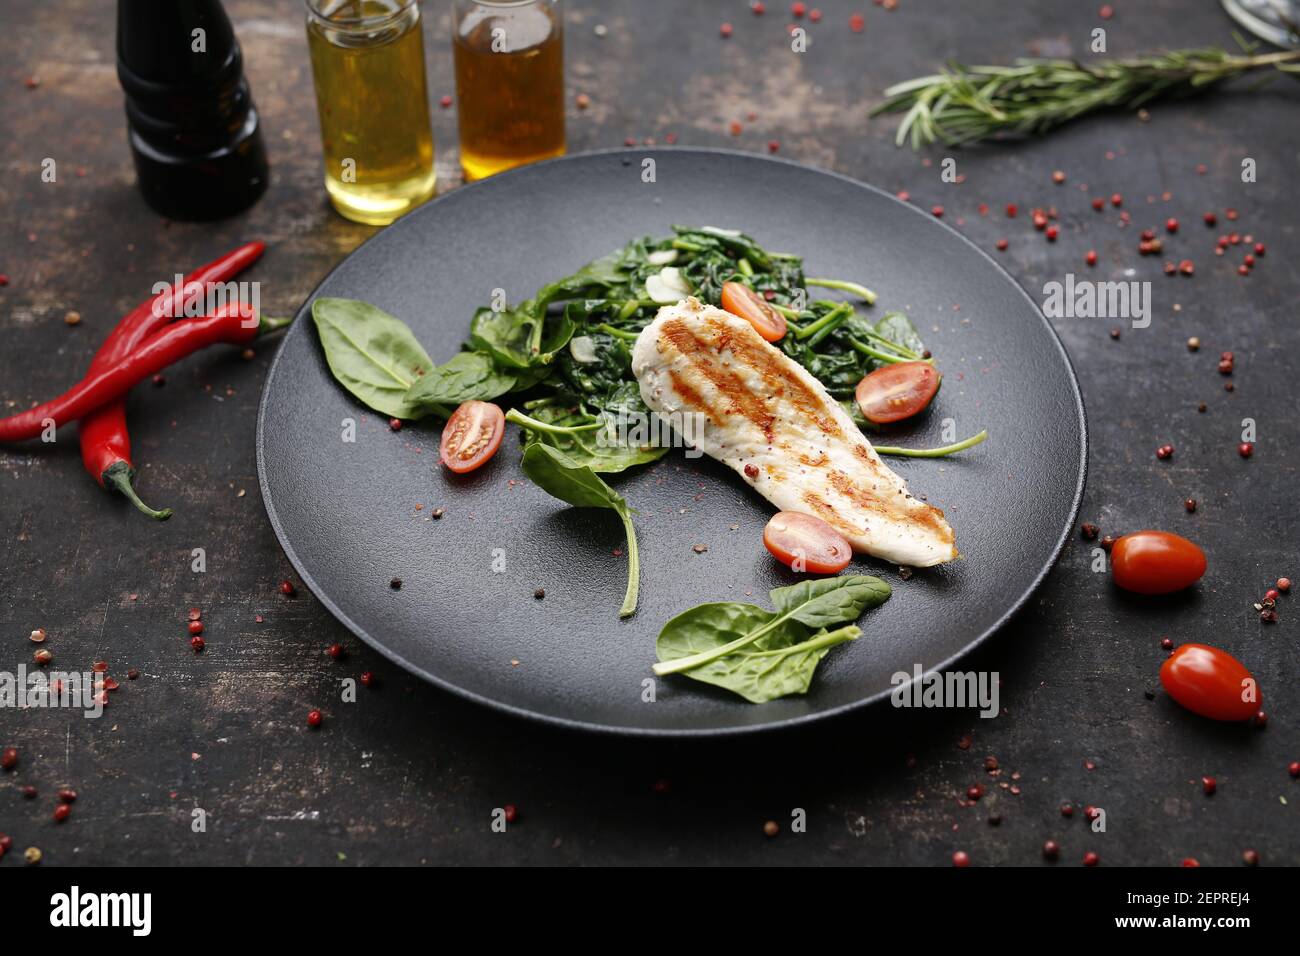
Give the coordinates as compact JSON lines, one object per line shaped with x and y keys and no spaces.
{"x":965,"y":104}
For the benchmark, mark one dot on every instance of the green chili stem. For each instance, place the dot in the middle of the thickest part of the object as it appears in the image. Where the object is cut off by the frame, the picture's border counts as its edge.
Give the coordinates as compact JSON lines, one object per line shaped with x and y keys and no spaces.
{"x":932,"y":452}
{"x":844,"y":285}
{"x":118,"y":476}
{"x":633,"y":567}
{"x":532,"y":424}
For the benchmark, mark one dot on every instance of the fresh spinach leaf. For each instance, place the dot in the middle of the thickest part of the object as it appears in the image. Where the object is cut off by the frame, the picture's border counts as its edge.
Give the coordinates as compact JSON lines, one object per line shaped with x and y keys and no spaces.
{"x":371,"y":354}
{"x":561,"y":477}
{"x":811,"y":604}
{"x":780,"y":663}
{"x":465,"y":376}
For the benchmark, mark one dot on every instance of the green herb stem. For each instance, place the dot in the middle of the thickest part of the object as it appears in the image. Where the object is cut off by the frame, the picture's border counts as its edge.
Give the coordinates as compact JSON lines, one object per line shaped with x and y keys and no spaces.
{"x":633,"y":566}
{"x":745,"y":268}
{"x":627,"y":334}
{"x":843,"y":285}
{"x":866,"y":349}
{"x":532,"y":424}
{"x":932,"y":452}
{"x":785,"y":310}
{"x":831,"y":319}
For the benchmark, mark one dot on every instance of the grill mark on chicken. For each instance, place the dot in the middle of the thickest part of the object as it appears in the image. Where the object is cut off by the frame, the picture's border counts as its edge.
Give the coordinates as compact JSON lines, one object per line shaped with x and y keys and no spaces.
{"x":757,"y":355}
{"x":740,"y":398}
{"x":928,"y":515}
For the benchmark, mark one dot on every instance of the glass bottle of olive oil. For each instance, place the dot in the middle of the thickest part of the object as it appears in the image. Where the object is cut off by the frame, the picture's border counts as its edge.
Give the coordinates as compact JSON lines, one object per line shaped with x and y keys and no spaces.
{"x":509,"y":83}
{"x":367,"y":58}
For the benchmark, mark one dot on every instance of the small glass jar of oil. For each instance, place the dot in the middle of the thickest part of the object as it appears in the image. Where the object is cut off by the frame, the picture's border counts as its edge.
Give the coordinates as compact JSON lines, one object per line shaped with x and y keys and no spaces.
{"x":509,"y":82}
{"x":367,"y":58}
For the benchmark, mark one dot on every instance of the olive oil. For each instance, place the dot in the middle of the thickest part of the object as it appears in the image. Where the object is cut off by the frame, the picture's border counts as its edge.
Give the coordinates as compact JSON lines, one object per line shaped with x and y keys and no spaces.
{"x":509,"y":84}
{"x":367,"y":57}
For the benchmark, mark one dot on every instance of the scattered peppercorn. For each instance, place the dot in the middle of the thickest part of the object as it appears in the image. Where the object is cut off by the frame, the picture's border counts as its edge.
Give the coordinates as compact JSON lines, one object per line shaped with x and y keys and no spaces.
{"x":1107,"y":543}
{"x":8,"y":758}
{"x":1250,"y":857}
{"x":42,"y":657}
{"x":1245,"y":449}
{"x":1210,"y":219}
{"x":32,"y":855}
{"x":287,"y":588}
{"x":539,"y":593}
{"x":1067,"y":809}
{"x":1012,"y":210}
{"x":395,"y":424}
{"x":1091,"y":859}
{"x":336,"y":651}
{"x":67,"y":795}
{"x":1114,"y":333}
{"x":1058,"y":177}
{"x":1171,"y":224}
{"x":961,"y":859}
{"x":1091,"y":257}
{"x":395,"y":584}
{"x":1193,"y":344}
{"x":195,"y":627}
{"x":198,"y":644}
{"x":936,"y":211}
{"x":1164,"y":452}
{"x":1116,"y":200}
{"x":1284,"y":585}
{"x":367,"y":679}
{"x":511,"y":812}
{"x":445,"y":101}
{"x":770,"y":828}
{"x":1051,"y":850}
{"x":62,"y":812}
{"x":725,"y":30}
{"x":1002,"y":245}
{"x":314,"y":718}
{"x":1167,"y":644}
{"x":1186,"y":267}
{"x":1209,"y":785}
{"x":1088,"y":530}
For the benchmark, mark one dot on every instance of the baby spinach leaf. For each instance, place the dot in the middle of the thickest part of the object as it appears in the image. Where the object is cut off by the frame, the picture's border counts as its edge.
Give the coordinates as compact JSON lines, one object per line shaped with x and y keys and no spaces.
{"x":812,"y":604}
{"x":600,"y":440}
{"x":780,"y":663}
{"x":465,"y":376}
{"x":371,"y":354}
{"x":561,"y":477}
{"x":825,"y":601}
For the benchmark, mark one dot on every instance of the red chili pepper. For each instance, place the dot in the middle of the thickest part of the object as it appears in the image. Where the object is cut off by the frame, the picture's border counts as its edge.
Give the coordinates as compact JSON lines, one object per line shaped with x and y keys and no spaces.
{"x":234,"y":324}
{"x":105,"y":441}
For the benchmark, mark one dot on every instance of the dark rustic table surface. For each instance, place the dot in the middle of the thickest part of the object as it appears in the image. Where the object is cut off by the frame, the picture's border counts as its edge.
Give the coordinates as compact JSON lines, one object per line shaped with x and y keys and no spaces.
{"x":410,"y":774}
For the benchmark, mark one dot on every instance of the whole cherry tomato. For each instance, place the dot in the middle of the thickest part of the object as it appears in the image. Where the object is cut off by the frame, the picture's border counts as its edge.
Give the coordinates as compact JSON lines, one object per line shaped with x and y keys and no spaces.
{"x":1156,"y":562}
{"x":1211,"y":682}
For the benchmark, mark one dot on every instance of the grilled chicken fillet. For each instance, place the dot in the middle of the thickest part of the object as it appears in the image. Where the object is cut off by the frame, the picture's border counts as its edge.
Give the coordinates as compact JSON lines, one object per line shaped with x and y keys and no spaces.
{"x":762,"y":414}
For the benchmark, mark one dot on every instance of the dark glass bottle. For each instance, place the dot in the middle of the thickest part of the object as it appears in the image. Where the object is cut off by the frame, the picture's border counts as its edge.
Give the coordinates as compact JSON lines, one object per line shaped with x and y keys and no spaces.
{"x":193,"y":128}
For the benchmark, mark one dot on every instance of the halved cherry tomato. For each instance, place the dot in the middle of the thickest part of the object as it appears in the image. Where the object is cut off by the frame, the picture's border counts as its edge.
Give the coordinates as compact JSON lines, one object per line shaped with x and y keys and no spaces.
{"x":472,"y":436}
{"x":1211,"y":682}
{"x":806,"y":543}
{"x":744,"y":302}
{"x":897,"y":391}
{"x":1156,"y":562}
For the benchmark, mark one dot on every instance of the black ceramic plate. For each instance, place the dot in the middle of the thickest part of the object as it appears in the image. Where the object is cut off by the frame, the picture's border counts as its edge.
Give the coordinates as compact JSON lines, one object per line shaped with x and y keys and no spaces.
{"x":465,"y":618}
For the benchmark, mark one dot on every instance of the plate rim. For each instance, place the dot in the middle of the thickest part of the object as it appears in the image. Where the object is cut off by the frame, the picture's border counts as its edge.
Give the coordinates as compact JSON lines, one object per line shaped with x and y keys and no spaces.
{"x":615,"y":730}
